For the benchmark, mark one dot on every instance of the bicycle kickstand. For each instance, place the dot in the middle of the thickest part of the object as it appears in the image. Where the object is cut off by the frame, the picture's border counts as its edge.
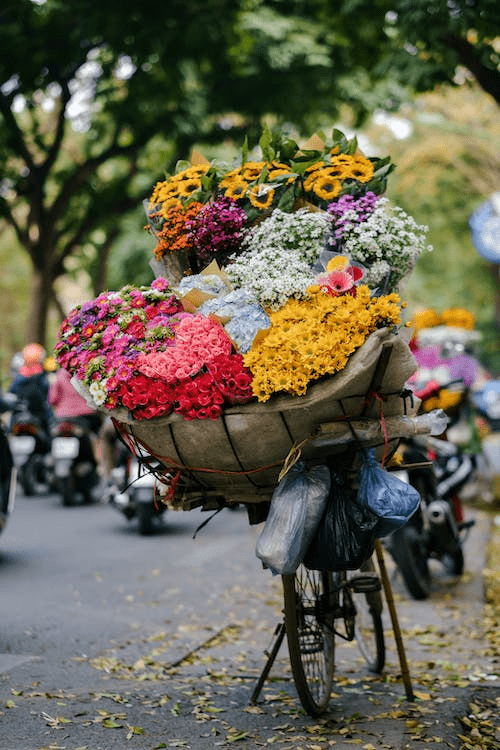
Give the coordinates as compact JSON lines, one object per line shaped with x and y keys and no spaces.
{"x":279,"y":634}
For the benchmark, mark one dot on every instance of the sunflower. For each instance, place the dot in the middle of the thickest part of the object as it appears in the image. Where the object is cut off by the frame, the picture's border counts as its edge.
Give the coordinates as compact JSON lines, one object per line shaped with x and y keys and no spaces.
{"x":188,"y":187}
{"x":230,"y":178}
{"x":162,"y":191}
{"x":251,"y":170}
{"x":261,"y":196}
{"x":197,"y":171}
{"x":278,"y":169}
{"x":237,"y":189}
{"x":339,"y":170}
{"x":316,"y":166}
{"x":310,"y":180}
{"x":361,"y":169}
{"x":167,"y":205}
{"x":327,"y":187}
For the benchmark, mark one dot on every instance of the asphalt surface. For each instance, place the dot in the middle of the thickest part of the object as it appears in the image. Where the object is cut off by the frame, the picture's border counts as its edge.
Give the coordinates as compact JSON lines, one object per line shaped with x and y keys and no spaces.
{"x":111,"y":640}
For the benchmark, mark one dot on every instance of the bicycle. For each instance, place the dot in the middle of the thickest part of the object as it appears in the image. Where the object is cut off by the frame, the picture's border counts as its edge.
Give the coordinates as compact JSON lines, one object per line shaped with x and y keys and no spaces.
{"x":317,"y":604}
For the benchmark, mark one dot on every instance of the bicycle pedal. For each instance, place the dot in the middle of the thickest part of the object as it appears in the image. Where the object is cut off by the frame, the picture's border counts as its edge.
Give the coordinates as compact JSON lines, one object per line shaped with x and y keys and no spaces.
{"x":364,"y":583}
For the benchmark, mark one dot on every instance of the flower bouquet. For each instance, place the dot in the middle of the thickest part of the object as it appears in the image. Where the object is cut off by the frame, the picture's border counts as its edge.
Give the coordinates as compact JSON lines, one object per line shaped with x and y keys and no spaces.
{"x":276,"y":292}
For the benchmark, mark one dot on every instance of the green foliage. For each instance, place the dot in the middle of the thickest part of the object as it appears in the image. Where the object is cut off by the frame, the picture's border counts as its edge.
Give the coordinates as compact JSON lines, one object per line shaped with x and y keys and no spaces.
{"x":110,"y":95}
{"x":445,"y":170}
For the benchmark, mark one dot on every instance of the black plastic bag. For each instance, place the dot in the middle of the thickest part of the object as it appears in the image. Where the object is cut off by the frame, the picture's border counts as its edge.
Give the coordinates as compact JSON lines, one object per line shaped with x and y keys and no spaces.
{"x":345,"y":536}
{"x":392,"y":500}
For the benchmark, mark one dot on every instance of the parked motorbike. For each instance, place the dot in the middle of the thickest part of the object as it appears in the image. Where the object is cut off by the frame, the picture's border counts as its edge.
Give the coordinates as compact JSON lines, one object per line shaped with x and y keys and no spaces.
{"x":486,"y":402}
{"x":7,"y":473}
{"x":75,"y":468}
{"x":30,"y":447}
{"x":132,"y":491}
{"x":438,"y":469}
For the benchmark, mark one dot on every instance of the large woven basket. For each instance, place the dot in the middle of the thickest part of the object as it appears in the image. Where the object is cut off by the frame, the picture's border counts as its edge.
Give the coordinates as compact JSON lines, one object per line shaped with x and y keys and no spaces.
{"x":239,"y":456}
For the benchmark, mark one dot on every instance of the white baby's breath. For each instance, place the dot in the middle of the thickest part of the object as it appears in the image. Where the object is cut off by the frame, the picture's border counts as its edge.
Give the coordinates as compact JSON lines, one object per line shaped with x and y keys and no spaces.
{"x":276,"y":263}
{"x":387,"y":235}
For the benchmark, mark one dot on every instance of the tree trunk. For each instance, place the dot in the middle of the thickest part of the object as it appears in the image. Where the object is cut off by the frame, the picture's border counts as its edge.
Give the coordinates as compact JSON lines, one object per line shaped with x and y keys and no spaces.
{"x":36,"y":324}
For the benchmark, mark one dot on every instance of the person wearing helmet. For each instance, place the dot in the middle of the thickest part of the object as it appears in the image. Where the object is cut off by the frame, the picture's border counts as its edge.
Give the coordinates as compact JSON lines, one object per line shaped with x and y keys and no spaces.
{"x":32,"y":390}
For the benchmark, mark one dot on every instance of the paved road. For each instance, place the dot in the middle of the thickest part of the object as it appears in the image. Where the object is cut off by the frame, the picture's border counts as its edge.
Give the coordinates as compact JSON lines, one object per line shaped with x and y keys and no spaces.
{"x":111,"y":640}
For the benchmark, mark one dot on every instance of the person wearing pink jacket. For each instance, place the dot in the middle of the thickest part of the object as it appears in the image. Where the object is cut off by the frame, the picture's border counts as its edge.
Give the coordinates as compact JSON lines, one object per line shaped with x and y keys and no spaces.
{"x":66,"y":402}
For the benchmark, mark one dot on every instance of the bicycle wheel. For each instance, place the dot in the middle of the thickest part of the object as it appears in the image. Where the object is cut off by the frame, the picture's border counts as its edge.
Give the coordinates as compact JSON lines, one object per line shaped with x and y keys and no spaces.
{"x":368,"y":628}
{"x":309,"y":599}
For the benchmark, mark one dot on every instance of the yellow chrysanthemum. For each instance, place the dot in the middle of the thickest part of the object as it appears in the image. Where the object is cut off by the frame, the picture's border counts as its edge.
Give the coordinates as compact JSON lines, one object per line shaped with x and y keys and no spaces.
{"x":314,"y":337}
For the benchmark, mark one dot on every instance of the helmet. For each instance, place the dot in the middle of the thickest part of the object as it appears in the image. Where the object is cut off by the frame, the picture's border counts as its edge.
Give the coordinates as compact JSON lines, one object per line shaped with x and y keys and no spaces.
{"x":33,"y":354}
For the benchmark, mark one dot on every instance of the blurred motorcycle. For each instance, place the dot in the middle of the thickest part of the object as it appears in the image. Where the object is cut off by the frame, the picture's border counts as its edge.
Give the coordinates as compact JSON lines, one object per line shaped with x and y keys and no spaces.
{"x":486,"y":401}
{"x":438,"y":469}
{"x":75,"y":468}
{"x":132,"y":490}
{"x":30,"y":446}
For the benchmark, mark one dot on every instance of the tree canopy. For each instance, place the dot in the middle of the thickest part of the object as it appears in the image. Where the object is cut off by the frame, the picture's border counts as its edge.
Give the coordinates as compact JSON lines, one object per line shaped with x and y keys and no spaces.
{"x":97,"y":100}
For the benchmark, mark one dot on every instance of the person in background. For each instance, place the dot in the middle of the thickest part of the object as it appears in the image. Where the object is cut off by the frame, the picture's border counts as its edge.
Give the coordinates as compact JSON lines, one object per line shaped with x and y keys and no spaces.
{"x":66,"y":402}
{"x":31,"y":387}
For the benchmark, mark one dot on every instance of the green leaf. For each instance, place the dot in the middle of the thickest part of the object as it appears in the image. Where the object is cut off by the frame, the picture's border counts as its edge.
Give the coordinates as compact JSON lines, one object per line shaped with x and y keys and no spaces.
{"x":236,"y":737}
{"x":288,"y":149}
{"x":244,"y":150}
{"x":135,"y":730}
{"x":286,"y":200}
{"x":111,"y":724}
{"x":265,"y":142}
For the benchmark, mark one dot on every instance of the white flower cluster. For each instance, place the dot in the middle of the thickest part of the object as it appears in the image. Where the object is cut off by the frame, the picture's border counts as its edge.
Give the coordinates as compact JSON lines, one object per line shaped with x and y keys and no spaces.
{"x":386,"y":235}
{"x":276,"y":263}
{"x":98,"y":393}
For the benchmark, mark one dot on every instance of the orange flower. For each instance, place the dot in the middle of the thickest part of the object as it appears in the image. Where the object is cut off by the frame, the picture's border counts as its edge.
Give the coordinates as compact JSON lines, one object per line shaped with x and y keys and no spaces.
{"x":174,"y":235}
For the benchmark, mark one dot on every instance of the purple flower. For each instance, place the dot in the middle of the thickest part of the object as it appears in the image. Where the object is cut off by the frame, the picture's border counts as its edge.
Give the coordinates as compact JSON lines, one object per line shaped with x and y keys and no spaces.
{"x":359,"y":209}
{"x":216,"y":232}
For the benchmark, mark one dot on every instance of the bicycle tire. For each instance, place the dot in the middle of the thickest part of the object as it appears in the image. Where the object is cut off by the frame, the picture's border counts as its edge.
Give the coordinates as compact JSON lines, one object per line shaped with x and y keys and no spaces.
{"x":368,"y":626}
{"x":310,"y":636}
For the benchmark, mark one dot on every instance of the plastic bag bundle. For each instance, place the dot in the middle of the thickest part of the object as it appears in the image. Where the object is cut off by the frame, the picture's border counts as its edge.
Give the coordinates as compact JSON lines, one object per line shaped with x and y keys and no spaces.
{"x":345,"y":536}
{"x":392,"y":500}
{"x":296,"y":508}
